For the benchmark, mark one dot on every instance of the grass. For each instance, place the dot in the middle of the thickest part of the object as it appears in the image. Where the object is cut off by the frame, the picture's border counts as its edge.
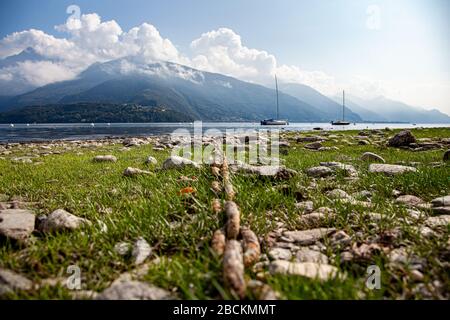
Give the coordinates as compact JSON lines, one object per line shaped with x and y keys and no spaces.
{"x":180,"y":228}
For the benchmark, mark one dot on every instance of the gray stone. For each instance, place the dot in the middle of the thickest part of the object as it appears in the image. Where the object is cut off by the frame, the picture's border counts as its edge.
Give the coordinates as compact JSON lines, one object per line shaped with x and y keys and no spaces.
{"x":122,"y":248}
{"x":141,"y":251}
{"x":308,"y":255}
{"x":305,"y":206}
{"x":439,"y":221}
{"x":306,"y":269}
{"x":370,"y":156}
{"x":390,"y":169}
{"x":11,"y":281}
{"x":409,"y":200}
{"x":61,"y":220}
{"x":133,"y":290}
{"x":348,"y":169}
{"x":130,"y":172}
{"x":151,"y":160}
{"x":337,"y":194}
{"x":319,"y":172}
{"x":16,"y":224}
{"x":176,"y":162}
{"x":280,"y":254}
{"x":313,"y":145}
{"x":340,"y":239}
{"x":403,"y":138}
{"x":306,"y":237}
{"x":441,"y":201}
{"x":107,"y":158}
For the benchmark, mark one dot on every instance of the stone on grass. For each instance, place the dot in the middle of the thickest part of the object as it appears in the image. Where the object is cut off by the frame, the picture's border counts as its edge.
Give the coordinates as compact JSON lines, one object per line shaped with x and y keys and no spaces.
{"x":390,"y":169}
{"x":122,"y":248}
{"x":11,"y":281}
{"x":130,"y":172}
{"x":151,"y":160}
{"x":348,"y":169}
{"x":337,"y":194}
{"x":107,"y":158}
{"x":306,"y":269}
{"x":309,"y":255}
{"x":441,"y":201}
{"x":141,"y":251}
{"x":409,"y":200}
{"x":61,"y":220}
{"x":370,"y":156}
{"x":280,"y":254}
{"x":134,"y":290}
{"x":305,"y":206}
{"x":306,"y":237}
{"x":313,"y":145}
{"x":177,"y":162}
{"x":16,"y":224}
{"x":438,"y":221}
{"x":401,"y":139}
{"x":319,"y":172}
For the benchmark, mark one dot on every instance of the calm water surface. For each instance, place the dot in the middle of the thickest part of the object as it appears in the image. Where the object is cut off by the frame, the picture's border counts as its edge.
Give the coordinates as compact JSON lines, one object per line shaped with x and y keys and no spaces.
{"x":77,"y":131}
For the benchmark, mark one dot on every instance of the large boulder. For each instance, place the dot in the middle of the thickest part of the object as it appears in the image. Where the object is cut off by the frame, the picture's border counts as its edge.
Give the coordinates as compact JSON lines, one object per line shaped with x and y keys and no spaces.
{"x":401,"y":139}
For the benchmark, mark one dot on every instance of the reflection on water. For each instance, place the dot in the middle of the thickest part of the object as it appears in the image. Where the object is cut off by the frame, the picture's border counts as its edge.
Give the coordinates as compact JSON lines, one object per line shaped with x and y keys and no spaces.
{"x":75,"y":131}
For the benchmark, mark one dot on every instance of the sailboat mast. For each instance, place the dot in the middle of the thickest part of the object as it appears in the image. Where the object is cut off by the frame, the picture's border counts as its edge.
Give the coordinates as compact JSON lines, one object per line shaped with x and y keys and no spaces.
{"x":343,"y":105}
{"x":276,"y":86}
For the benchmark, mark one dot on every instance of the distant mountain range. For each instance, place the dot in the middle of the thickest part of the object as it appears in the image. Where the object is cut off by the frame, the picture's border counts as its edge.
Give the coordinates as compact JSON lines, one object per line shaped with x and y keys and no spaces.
{"x":164,"y":91}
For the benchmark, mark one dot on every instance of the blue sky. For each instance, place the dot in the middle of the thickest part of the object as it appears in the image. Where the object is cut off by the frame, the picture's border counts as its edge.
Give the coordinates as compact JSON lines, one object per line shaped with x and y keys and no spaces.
{"x":406,"y":51}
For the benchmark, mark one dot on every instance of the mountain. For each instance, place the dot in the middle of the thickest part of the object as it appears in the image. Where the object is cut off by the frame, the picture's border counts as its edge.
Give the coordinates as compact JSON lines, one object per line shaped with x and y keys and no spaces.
{"x":11,"y":87}
{"x":365,"y":114}
{"x":392,"y":111}
{"x":196,"y":94}
{"x":313,"y":97}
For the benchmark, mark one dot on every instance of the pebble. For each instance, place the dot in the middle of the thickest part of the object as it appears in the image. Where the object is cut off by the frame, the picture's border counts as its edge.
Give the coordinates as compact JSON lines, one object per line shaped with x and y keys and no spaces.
{"x":390,"y":169}
{"x":141,"y":251}
{"x":409,"y":200}
{"x":134,"y":290}
{"x":319,"y":172}
{"x":151,"y":160}
{"x":370,"y":156}
{"x":280,"y":254}
{"x":305,"y":206}
{"x":16,"y":224}
{"x":306,"y":269}
{"x":130,"y":172}
{"x":61,"y":220}
{"x":11,"y":281}
{"x":176,"y":162}
{"x":308,"y":255}
{"x":122,"y":248}
{"x":306,"y":237}
{"x":107,"y":158}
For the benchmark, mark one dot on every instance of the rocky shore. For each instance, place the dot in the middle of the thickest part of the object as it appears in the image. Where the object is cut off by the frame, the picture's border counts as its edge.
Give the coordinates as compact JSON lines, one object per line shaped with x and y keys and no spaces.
{"x":138,"y":222}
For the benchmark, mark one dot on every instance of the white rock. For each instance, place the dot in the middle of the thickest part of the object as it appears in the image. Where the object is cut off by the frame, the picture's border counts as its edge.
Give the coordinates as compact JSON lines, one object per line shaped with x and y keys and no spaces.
{"x":308,"y":255}
{"x":306,"y":237}
{"x":11,"y":281}
{"x":306,"y":269}
{"x":16,"y":224}
{"x":305,"y":206}
{"x":151,"y":160}
{"x":176,"y":162}
{"x":280,"y":254}
{"x":369,"y":156}
{"x":409,"y":200}
{"x":107,"y":158}
{"x":390,"y":169}
{"x":130,"y":172}
{"x":338,"y":194}
{"x":61,"y":220}
{"x":122,"y":248}
{"x":439,"y":221}
{"x":133,"y":290}
{"x":141,"y":250}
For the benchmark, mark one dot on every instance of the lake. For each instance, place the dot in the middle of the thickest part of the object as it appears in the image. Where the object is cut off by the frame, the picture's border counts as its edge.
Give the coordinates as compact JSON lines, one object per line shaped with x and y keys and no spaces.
{"x":79,"y":131}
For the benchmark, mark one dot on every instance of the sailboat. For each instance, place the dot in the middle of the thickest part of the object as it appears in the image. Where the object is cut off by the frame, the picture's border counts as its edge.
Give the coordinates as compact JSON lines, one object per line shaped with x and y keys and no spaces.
{"x":277,"y":121}
{"x":341,"y":122}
